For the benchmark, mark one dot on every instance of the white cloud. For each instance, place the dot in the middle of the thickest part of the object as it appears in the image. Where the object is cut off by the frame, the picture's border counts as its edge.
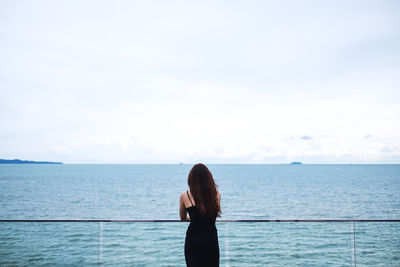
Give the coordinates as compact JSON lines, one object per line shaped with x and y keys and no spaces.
{"x":221,"y":82}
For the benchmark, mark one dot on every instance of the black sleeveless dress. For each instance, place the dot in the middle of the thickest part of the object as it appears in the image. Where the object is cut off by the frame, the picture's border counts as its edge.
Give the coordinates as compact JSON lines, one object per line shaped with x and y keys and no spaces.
{"x":201,"y":242}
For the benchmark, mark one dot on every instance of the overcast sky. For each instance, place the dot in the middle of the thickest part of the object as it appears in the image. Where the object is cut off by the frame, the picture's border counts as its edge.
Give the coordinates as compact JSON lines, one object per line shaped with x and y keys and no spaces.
{"x":200,"y":81}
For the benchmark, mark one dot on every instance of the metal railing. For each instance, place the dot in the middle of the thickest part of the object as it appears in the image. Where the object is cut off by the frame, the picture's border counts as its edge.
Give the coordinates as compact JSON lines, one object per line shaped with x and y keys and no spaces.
{"x":352,"y":223}
{"x":169,"y":220}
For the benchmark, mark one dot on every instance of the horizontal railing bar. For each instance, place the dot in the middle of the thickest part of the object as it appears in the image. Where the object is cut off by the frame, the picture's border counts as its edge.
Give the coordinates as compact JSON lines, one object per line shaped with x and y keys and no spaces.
{"x":160,"y":221}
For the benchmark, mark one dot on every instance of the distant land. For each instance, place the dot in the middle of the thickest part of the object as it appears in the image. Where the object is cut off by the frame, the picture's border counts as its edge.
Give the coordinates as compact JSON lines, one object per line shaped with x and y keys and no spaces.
{"x":296,"y":163}
{"x":18,"y":161}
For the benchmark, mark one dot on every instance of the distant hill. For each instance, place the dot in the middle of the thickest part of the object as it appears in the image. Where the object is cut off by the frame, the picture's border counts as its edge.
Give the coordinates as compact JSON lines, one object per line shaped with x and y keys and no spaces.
{"x":18,"y":161}
{"x":296,"y":163}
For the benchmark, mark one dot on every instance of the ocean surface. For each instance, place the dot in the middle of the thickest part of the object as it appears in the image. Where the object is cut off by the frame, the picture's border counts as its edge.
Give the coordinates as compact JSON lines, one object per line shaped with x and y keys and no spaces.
{"x":152,"y":192}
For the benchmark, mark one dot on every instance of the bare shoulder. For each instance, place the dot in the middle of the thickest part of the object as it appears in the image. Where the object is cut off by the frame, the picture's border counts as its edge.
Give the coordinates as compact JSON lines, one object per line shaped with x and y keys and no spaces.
{"x":183,"y":195}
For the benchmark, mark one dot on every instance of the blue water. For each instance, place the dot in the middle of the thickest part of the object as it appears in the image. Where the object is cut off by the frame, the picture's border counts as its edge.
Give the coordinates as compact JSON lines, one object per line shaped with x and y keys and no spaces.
{"x":152,"y":192}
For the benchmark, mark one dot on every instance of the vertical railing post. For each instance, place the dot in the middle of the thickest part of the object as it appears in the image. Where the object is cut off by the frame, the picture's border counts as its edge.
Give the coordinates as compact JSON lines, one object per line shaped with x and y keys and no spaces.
{"x":226,"y":245}
{"x":353,"y":244}
{"x":100,"y":250}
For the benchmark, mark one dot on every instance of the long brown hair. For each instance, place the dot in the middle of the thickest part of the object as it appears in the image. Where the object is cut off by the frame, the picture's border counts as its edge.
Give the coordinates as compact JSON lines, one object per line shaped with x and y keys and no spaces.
{"x":204,"y":191}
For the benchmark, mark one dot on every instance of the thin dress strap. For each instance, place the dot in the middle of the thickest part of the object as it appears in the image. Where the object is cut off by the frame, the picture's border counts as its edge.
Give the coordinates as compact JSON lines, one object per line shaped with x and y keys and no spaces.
{"x":189,"y":197}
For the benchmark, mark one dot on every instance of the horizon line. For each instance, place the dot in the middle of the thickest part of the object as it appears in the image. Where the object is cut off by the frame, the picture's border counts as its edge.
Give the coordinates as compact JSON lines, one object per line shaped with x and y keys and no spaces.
{"x":63,"y":163}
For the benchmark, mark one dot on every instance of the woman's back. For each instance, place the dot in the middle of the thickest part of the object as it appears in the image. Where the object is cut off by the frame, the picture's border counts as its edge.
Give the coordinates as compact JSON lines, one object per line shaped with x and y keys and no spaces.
{"x":201,"y":242}
{"x":202,"y":203}
{"x":195,"y":216}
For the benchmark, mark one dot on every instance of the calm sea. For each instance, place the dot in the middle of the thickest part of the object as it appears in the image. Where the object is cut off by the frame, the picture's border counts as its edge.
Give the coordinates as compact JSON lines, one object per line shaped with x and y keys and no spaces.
{"x":152,"y":192}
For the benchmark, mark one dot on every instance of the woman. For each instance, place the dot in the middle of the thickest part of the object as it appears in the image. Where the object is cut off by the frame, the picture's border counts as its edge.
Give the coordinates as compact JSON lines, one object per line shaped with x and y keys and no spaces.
{"x":202,"y":202}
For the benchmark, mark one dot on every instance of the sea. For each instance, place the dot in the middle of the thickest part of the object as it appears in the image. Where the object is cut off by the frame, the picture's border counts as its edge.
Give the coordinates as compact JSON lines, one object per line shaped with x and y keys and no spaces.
{"x":151,"y":192}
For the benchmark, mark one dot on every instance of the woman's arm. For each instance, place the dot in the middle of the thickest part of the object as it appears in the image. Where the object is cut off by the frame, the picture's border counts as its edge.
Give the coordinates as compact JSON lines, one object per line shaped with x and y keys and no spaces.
{"x":182,"y":209}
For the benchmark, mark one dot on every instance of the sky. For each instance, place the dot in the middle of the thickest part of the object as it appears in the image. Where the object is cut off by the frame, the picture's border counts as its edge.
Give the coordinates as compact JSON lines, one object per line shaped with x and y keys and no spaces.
{"x":260,"y":82}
